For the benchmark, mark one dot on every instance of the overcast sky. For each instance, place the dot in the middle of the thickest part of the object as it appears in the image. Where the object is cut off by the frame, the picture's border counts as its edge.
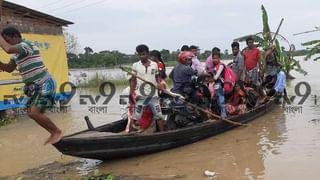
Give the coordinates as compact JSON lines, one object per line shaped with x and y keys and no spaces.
{"x":168,"y":24}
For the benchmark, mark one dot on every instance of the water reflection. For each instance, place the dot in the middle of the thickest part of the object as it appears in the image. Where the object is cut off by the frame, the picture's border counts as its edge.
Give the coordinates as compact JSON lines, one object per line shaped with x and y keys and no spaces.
{"x":87,"y":165}
{"x":21,"y":143}
{"x":235,"y":154}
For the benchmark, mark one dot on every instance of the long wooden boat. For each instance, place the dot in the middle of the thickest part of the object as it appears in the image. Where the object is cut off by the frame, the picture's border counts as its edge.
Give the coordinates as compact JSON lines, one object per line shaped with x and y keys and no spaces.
{"x":105,"y":142}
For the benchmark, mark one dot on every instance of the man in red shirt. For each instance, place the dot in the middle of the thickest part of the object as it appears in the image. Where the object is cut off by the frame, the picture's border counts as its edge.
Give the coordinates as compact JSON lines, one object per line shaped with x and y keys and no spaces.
{"x":251,"y":56}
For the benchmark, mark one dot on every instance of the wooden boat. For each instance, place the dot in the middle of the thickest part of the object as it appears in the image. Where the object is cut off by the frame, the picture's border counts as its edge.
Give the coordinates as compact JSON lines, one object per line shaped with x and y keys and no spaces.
{"x":105,"y":142}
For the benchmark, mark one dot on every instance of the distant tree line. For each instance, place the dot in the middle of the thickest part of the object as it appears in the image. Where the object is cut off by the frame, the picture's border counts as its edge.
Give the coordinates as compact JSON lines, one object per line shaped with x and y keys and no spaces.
{"x":91,"y":59}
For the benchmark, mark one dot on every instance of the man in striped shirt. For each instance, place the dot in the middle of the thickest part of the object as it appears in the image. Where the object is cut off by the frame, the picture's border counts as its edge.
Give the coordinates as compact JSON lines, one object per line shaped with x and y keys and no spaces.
{"x":39,"y":85}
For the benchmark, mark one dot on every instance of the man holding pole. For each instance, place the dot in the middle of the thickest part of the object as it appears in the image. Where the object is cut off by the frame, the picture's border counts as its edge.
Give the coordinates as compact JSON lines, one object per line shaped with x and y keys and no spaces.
{"x":146,"y":94}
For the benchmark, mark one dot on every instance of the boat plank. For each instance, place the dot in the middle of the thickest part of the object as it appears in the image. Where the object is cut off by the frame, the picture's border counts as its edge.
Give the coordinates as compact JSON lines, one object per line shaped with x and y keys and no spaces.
{"x":90,"y":134}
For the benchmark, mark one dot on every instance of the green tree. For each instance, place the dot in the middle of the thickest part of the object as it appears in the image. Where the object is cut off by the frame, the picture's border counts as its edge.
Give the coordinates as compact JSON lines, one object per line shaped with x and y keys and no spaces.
{"x":165,"y":54}
{"x":205,"y":54}
{"x":88,"y":50}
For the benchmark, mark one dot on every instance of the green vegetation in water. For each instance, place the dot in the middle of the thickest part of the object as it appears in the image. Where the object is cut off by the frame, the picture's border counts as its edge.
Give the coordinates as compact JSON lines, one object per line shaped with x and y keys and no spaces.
{"x":97,"y":175}
{"x":97,"y":81}
{"x":6,"y":120}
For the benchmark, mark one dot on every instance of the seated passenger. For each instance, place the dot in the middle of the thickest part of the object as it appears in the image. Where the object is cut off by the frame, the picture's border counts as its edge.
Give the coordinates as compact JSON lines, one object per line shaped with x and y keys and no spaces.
{"x":237,"y":102}
{"x":182,"y":75}
{"x":269,"y":81}
{"x":202,"y":95}
{"x":278,"y":87}
{"x":280,"y":84}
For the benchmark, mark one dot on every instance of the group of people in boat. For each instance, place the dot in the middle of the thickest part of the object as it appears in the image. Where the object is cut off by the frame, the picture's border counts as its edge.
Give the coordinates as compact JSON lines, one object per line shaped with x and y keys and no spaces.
{"x":223,"y":89}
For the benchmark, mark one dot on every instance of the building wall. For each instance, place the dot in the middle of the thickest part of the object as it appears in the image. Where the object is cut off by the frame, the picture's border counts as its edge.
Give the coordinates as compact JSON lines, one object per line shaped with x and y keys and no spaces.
{"x":28,"y":24}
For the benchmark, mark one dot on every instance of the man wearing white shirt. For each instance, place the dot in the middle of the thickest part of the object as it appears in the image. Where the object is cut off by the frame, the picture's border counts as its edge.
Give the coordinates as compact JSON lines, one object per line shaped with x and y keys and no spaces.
{"x":146,"y":94}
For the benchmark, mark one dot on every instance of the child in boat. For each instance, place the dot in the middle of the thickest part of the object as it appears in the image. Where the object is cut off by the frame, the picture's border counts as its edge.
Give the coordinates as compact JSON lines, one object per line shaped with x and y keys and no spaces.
{"x":40,"y":87}
{"x":146,"y":94}
{"x":209,"y":64}
{"x":211,"y":85}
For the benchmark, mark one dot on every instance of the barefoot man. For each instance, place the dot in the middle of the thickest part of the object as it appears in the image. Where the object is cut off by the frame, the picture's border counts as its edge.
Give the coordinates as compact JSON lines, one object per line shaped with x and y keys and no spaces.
{"x":39,"y":85}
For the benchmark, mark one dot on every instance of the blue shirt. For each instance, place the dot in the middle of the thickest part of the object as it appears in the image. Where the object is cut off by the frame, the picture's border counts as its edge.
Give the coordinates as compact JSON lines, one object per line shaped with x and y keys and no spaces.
{"x":281,"y":82}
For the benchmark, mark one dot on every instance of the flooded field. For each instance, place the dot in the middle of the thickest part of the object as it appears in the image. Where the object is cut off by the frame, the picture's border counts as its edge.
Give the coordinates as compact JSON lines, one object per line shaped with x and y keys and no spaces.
{"x":283,"y":144}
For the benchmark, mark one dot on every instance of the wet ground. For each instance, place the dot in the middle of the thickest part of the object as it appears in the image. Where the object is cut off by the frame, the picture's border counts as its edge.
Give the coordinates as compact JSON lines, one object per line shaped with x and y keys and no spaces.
{"x":283,"y":144}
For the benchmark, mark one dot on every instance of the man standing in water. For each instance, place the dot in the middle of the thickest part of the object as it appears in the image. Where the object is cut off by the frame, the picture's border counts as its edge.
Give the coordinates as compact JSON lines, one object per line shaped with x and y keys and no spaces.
{"x":39,"y":85}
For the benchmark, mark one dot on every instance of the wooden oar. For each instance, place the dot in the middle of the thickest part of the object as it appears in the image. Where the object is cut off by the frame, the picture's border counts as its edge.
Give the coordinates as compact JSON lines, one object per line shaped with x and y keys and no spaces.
{"x":184,"y":101}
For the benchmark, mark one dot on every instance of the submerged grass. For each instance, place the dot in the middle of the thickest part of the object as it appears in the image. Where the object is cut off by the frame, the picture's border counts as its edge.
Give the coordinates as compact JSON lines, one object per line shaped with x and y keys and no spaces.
{"x":97,"y":81}
{"x":6,"y":120}
{"x":97,"y":175}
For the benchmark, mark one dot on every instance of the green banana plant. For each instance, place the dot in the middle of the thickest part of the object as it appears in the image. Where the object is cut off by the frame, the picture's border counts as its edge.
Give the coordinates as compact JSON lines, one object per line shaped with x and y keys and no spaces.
{"x":265,"y":38}
{"x":315,"y":49}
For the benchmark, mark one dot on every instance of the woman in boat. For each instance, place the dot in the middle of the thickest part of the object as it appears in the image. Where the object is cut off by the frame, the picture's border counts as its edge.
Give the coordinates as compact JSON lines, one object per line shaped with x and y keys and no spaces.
{"x":155,"y":56}
{"x":237,"y":102}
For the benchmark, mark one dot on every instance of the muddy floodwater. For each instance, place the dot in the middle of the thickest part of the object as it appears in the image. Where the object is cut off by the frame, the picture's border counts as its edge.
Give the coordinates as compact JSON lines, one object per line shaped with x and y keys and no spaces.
{"x":283,"y":144}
